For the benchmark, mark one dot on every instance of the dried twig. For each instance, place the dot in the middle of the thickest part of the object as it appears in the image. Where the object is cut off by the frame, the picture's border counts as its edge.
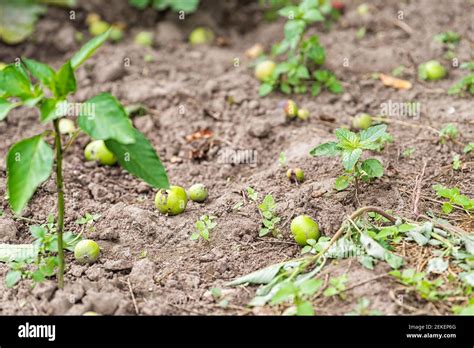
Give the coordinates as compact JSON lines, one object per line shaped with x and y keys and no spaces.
{"x":417,"y":190}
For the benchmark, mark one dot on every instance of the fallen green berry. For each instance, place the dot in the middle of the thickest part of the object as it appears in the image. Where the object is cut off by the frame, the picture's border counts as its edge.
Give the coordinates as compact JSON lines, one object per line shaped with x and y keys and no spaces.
{"x":116,"y":34}
{"x":303,"y":114}
{"x":198,"y":193}
{"x":66,"y":126}
{"x":265,"y":69}
{"x":201,"y":36}
{"x":97,"y":151}
{"x":99,"y":27}
{"x":431,"y":71}
{"x":86,"y":251}
{"x":144,"y":38}
{"x":362,"y":121}
{"x":295,"y":175}
{"x":291,"y":110}
{"x":172,"y":201}
{"x":304,"y":228}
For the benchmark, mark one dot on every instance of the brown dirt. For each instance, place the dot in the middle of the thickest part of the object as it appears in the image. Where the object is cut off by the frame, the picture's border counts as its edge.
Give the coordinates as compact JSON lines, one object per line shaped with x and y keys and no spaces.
{"x":151,"y":254}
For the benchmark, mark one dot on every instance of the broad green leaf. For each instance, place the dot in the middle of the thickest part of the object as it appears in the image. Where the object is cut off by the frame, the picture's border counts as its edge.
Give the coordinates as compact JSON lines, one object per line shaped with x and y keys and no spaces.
{"x":108,"y":120}
{"x":15,"y":84}
{"x":12,"y":278}
{"x":41,"y":72}
{"x":65,"y":81}
{"x":17,"y":252}
{"x":310,"y":286}
{"x":29,"y":164}
{"x":289,"y":11}
{"x":262,"y":276}
{"x":293,"y":31}
{"x":342,"y":182}
{"x":393,"y":260}
{"x":17,"y":19}
{"x":373,"y":133}
{"x":140,"y":159}
{"x":88,"y":50}
{"x":6,"y":107}
{"x":326,"y":149}
{"x":372,"y":248}
{"x":350,"y":158}
{"x":437,"y":265}
{"x":373,"y":168}
{"x":284,"y":293}
{"x":141,"y":4}
{"x":334,"y":86}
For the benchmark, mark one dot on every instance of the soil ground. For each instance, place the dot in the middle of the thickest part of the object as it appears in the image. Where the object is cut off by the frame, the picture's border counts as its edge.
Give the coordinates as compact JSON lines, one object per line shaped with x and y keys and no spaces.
{"x":148,"y":263}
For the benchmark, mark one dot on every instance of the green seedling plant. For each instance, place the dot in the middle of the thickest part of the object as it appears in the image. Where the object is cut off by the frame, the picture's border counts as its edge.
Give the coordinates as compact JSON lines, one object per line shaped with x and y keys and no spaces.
{"x":270,"y":220}
{"x":44,"y":259}
{"x":466,"y":84}
{"x":449,"y":40}
{"x":448,"y":133}
{"x":363,"y":308}
{"x":301,"y":70}
{"x":350,"y":147}
{"x":187,"y":6}
{"x":455,"y":199}
{"x":337,"y":286}
{"x":30,"y":161}
{"x":204,"y":226}
{"x":299,"y":295}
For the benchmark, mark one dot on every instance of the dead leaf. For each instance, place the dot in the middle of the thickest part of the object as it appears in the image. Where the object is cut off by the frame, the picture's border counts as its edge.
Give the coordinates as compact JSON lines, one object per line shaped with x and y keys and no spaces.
{"x":200,"y":134}
{"x":391,"y":81}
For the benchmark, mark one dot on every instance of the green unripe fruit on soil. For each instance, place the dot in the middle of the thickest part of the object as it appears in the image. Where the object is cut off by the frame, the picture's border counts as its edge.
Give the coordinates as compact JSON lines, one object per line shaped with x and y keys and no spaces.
{"x":97,"y":151}
{"x":295,"y":175}
{"x":304,"y":228}
{"x":198,"y":193}
{"x":201,"y":36}
{"x":431,"y":70}
{"x":99,"y":27}
{"x":86,"y":251}
{"x":362,"y":121}
{"x":144,"y":38}
{"x":116,"y":34}
{"x":66,"y":126}
{"x":172,"y":201}
{"x":303,"y":114}
{"x":291,"y":109}
{"x":265,"y":69}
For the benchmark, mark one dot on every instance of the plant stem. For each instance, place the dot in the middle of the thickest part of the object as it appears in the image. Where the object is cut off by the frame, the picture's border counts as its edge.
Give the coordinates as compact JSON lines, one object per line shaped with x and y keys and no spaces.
{"x":60,"y":190}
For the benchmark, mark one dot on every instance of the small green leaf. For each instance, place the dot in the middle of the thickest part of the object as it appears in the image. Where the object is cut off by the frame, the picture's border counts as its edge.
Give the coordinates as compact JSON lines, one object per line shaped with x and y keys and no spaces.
{"x":342,"y":182}
{"x":15,"y":83}
{"x":373,"y":168}
{"x":373,"y":133}
{"x":107,"y":121}
{"x":265,"y":89}
{"x":350,"y":158}
{"x":140,"y":159}
{"x":313,"y":15}
{"x":6,"y":107}
{"x":88,"y":49}
{"x":29,"y":164}
{"x":42,"y":72}
{"x":326,"y":149}
{"x":12,"y":278}
{"x":447,"y":208}
{"x":304,"y":308}
{"x":65,"y":81}
{"x":310,"y":286}
{"x":285,"y":292}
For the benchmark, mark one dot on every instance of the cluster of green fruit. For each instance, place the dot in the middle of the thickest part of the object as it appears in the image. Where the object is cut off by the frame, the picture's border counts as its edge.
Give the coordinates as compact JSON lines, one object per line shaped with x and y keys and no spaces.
{"x":174,"y":200}
{"x":292,"y":111}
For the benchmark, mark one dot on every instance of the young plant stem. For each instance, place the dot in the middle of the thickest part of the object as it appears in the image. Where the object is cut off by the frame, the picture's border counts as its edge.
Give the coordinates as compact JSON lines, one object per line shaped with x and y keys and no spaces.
{"x":60,"y":190}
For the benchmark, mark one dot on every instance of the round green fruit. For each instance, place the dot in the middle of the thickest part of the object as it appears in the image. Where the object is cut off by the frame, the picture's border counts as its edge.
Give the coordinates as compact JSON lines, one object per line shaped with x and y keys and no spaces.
{"x":362,"y":121}
{"x":304,"y":228}
{"x":66,"y":126}
{"x":431,"y":71}
{"x":86,"y":251}
{"x":116,"y":34}
{"x":291,"y":109}
{"x":172,"y":201}
{"x":99,"y":27}
{"x":201,"y":36}
{"x":97,"y":151}
{"x":144,"y":38}
{"x":265,"y":69}
{"x":303,"y":114}
{"x":295,"y":175}
{"x":198,"y":193}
